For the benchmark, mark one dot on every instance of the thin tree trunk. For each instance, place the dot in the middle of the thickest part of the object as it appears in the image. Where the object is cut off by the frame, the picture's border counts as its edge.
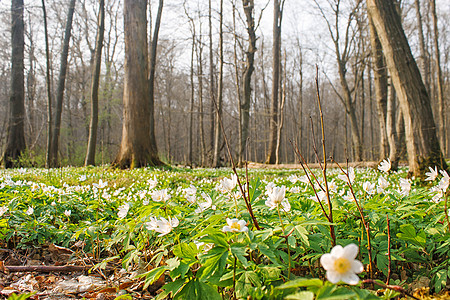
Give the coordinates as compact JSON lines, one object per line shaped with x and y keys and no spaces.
{"x":248,"y":6}
{"x":218,"y":134}
{"x":421,"y":139}
{"x":60,"y":89}
{"x":151,"y":80}
{"x":90,"y":155}
{"x":276,"y":48}
{"x":191,"y":109}
{"x":424,"y":66}
{"x":439,"y":79}
{"x":380,"y":82}
{"x":16,"y":130}
{"x":212,"y":92}
{"x":49,"y":88}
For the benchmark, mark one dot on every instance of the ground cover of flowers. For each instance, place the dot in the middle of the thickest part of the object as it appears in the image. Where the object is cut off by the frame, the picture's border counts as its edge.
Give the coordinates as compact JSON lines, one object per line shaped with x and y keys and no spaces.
{"x":189,"y":234}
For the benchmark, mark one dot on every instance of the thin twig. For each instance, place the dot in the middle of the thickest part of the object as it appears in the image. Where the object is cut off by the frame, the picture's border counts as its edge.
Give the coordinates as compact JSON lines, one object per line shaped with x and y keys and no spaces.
{"x":363,"y":219}
{"x":396,"y":288}
{"x":233,"y":167}
{"x":389,"y":250}
{"x":446,"y":211}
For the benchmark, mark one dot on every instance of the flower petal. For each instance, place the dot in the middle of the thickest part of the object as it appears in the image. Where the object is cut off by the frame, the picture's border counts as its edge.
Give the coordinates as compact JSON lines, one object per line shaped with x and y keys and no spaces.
{"x":349,"y":278}
{"x":333,"y":277}
{"x":337,"y":251}
{"x":357,"y":266}
{"x":350,"y":251}
{"x":327,"y":261}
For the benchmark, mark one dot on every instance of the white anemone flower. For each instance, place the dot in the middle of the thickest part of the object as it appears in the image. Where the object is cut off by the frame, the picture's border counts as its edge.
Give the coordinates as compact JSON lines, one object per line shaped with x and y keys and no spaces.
{"x":202,"y":206}
{"x":152,"y":183}
{"x":405,"y":187}
{"x":444,"y":182}
{"x":3,"y":210}
{"x":432,"y":175}
{"x":190,"y":191}
{"x":226,"y":185}
{"x":382,"y":185}
{"x":163,"y":226}
{"x":369,"y":187}
{"x":67,"y":212}
{"x":160,"y":195}
{"x":385,"y":165}
{"x":235,"y":225}
{"x":351,"y":175}
{"x":123,"y":210}
{"x":341,"y":264}
{"x":101,"y":184}
{"x":276,"y":197}
{"x":30,"y":211}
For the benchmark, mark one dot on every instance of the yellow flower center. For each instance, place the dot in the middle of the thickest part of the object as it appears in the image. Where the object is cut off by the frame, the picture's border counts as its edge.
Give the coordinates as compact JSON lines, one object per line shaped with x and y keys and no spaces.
{"x":236,"y":226}
{"x":342,"y":265}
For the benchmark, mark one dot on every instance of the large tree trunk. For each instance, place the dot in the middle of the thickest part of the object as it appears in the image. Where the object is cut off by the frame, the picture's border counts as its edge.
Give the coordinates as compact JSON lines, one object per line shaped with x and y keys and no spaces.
{"x":380,"y":82}
{"x":151,"y":81}
{"x":420,"y":133}
{"x":90,"y":155}
{"x":248,"y":6}
{"x":136,"y":149}
{"x":440,"y":80}
{"x":424,"y":65}
{"x":276,"y":49}
{"x":16,"y":130}
{"x":60,"y":89}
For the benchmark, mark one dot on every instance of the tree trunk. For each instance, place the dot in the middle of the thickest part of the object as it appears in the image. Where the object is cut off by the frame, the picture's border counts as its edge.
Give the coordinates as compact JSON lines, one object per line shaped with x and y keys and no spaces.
{"x":212,"y":92}
{"x":439,"y":79}
{"x":420,"y":133}
{"x":16,"y":130}
{"x":380,"y":82}
{"x":90,"y":155}
{"x":218,"y":139}
{"x":248,"y":6}
{"x":191,"y":109}
{"x":49,"y":88}
{"x":151,"y":82}
{"x":200,"y":96}
{"x":60,"y":89}
{"x":424,"y":66}
{"x":136,"y":149}
{"x":276,"y":48}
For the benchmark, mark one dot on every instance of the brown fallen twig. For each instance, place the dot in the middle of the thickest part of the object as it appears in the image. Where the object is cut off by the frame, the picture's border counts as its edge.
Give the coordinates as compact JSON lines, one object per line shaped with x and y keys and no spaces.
{"x":45,"y":269}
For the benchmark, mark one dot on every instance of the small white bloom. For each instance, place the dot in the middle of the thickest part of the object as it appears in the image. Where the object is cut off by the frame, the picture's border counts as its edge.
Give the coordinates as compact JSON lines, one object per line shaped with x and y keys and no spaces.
{"x":152,"y":183}
{"x":438,"y":196}
{"x":348,"y":197}
{"x":226,"y":185}
{"x":202,"y":206}
{"x":67,"y":212}
{"x":405,"y":186}
{"x":293,"y":179}
{"x":101,"y":184}
{"x":269,"y":188}
{"x":191,"y":199}
{"x":82,"y":178}
{"x":190,"y":191}
{"x":276,"y":197}
{"x":444,"y":182}
{"x":385,"y":165}
{"x":382,"y":185}
{"x":341,"y":264}
{"x":432,"y":175}
{"x":163,"y":226}
{"x":295,"y":190}
{"x":3,"y":210}
{"x":123,"y":210}
{"x":30,"y":211}
{"x":351,"y":175}
{"x":160,"y":195}
{"x":235,"y":225}
{"x":369,"y":187}
{"x":53,"y":203}
{"x":332,"y":186}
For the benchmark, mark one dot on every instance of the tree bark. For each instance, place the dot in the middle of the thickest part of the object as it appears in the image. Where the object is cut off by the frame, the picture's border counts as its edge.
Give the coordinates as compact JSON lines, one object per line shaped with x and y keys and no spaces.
{"x":16,"y":130}
{"x":276,"y":49}
{"x":151,"y":82}
{"x":218,"y":139}
{"x":380,"y":83}
{"x":248,"y":6}
{"x":136,"y":149}
{"x":420,"y":129}
{"x":439,"y":79}
{"x":60,"y":89}
{"x":90,"y":155}
{"x":424,"y":65}
{"x":49,"y":88}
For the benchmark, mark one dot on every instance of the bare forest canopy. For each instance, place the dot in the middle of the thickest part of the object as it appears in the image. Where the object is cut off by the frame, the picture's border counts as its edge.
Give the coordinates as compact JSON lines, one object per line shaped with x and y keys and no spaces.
{"x":331,"y":34}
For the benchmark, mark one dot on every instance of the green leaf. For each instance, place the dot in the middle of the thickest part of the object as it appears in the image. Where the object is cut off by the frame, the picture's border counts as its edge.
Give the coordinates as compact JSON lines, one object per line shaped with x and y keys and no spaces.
{"x":153,"y":275}
{"x":174,"y":286}
{"x":196,"y":289}
{"x":214,"y":262}
{"x":301,"y":282}
{"x":239,"y":251}
{"x":246,"y":282}
{"x":254,"y":190}
{"x":332,"y":292}
{"x":187,"y":252}
{"x":267,"y":251}
{"x":305,"y":295}
{"x":440,"y":280}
